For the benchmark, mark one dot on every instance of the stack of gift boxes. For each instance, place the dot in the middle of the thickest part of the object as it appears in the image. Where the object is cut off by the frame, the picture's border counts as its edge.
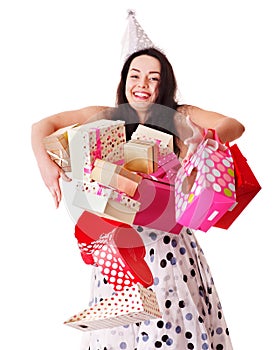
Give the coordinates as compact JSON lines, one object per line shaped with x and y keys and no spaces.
{"x":123,"y":181}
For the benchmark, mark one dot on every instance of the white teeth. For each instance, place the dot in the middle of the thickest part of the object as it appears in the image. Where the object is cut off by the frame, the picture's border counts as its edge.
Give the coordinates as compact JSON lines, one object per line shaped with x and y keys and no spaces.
{"x":140,"y":94}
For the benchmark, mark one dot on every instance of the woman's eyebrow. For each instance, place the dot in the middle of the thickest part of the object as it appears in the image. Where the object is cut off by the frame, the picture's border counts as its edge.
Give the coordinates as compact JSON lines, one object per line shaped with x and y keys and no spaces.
{"x":151,"y":72}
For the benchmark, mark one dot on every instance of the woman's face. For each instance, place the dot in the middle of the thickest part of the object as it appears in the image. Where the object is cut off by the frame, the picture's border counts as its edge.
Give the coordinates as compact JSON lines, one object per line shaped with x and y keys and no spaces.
{"x":142,"y":83}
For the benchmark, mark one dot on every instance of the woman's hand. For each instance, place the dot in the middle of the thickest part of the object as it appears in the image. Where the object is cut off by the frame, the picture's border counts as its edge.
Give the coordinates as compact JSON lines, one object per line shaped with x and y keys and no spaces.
{"x":192,"y":142}
{"x":51,"y":174}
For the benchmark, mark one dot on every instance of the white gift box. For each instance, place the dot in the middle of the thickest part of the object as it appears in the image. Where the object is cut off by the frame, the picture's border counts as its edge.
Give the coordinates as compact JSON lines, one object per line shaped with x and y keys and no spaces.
{"x":145,"y":133}
{"x":101,"y":139}
{"x":134,"y":304}
{"x":106,"y":202}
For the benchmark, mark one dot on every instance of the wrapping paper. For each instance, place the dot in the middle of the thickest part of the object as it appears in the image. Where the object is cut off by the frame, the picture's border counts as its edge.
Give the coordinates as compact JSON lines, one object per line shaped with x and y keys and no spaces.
{"x":101,"y":139}
{"x":141,"y":156}
{"x":132,"y":305}
{"x":156,"y":193}
{"x":247,"y":187}
{"x":120,"y":257}
{"x":146,"y":133}
{"x":57,"y":147}
{"x":105,"y":201}
{"x":116,"y":176}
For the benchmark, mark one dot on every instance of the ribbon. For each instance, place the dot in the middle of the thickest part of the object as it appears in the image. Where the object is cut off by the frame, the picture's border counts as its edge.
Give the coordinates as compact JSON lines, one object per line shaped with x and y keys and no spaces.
{"x":98,"y":152}
{"x":59,"y":158}
{"x":95,"y":153}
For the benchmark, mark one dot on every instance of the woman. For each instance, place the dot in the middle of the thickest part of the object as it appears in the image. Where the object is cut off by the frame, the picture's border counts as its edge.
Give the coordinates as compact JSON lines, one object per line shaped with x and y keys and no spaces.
{"x":192,"y":315}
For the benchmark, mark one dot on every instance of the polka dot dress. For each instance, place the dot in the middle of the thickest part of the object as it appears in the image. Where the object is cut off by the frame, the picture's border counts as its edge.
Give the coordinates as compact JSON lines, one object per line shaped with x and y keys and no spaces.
{"x":192,"y":314}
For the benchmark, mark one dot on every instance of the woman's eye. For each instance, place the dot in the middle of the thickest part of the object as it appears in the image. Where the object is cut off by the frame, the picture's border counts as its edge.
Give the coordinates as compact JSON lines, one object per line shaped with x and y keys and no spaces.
{"x":154,"y":79}
{"x":134,"y":76}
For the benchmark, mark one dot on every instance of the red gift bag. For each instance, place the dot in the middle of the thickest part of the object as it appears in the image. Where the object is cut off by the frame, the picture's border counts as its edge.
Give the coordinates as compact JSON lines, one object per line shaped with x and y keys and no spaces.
{"x":247,"y":187}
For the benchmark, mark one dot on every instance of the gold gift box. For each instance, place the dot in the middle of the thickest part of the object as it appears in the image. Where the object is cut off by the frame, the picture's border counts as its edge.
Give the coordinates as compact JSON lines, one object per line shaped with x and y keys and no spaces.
{"x":116,"y":176}
{"x":141,"y":156}
{"x":57,"y":147}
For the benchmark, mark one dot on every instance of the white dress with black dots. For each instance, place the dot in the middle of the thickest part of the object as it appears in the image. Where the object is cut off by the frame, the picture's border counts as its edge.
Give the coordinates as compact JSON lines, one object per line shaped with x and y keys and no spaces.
{"x":192,"y":316}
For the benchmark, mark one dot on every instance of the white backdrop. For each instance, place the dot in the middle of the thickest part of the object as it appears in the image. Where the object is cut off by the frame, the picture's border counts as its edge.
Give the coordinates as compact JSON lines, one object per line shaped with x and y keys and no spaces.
{"x":60,"y":55}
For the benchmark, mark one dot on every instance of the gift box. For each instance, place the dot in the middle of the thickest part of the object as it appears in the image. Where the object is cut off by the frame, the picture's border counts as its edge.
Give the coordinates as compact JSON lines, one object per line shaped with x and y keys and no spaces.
{"x":116,"y":176}
{"x":105,"y":202}
{"x":157,"y":197}
{"x":205,"y":186}
{"x":101,"y":139}
{"x":119,"y":255}
{"x":146,"y":133}
{"x":135,"y":304}
{"x":247,"y":187}
{"x":141,"y":156}
{"x":57,"y":147}
{"x":116,"y":248}
{"x":168,"y":166}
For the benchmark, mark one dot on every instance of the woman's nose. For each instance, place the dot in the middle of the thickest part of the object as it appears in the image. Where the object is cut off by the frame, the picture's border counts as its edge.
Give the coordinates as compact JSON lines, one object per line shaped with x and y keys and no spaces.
{"x":143,"y":82}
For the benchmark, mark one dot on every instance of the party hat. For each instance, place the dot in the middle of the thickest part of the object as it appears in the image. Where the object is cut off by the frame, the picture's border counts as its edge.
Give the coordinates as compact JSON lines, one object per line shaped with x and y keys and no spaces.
{"x":134,"y":38}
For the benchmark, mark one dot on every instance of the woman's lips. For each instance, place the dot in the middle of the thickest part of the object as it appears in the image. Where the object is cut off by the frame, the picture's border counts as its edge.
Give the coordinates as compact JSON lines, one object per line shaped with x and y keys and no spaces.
{"x":141,"y":95}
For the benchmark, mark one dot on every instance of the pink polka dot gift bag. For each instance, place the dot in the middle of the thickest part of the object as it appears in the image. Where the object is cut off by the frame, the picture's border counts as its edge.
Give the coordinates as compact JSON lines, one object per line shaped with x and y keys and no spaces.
{"x":205,"y":186}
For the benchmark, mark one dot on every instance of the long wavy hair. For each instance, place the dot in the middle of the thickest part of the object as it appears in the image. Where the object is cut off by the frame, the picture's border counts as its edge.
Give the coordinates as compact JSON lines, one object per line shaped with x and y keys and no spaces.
{"x":159,"y":117}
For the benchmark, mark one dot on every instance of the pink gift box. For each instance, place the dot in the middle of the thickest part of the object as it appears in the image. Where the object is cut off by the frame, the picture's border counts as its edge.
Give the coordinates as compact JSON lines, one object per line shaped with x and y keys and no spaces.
{"x":205,"y":186}
{"x":157,"y":197}
{"x":135,"y":304}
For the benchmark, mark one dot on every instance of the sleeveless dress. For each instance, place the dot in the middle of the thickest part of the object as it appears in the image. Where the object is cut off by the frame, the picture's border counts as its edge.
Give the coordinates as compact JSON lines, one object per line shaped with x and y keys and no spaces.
{"x":192,"y":316}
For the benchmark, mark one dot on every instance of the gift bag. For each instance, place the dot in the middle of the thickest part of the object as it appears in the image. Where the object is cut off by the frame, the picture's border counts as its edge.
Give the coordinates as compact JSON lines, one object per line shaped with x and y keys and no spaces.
{"x":205,"y":186}
{"x":134,"y":304}
{"x":247,"y":187}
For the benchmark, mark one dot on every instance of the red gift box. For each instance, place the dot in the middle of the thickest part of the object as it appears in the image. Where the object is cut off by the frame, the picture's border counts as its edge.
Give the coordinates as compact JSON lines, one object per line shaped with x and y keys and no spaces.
{"x":247,"y":187}
{"x":116,"y":248}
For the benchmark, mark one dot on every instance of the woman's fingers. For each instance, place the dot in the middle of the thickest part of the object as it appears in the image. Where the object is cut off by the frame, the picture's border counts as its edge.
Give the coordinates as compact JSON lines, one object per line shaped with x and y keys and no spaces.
{"x":64,"y":176}
{"x":56,"y":194}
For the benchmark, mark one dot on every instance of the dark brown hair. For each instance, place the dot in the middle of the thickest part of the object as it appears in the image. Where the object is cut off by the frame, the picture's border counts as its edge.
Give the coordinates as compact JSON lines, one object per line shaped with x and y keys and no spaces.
{"x":159,"y":117}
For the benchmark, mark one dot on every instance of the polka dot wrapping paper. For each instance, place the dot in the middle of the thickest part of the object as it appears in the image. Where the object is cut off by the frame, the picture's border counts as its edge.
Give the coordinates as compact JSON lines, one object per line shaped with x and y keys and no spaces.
{"x":101,"y":139}
{"x":205,"y":186}
{"x":119,"y":255}
{"x":131,"y":305}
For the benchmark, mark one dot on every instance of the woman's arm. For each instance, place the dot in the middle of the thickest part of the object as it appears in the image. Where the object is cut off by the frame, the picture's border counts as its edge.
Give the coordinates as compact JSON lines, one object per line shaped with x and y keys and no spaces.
{"x":49,"y":170}
{"x":228,"y":129}
{"x":191,"y":130}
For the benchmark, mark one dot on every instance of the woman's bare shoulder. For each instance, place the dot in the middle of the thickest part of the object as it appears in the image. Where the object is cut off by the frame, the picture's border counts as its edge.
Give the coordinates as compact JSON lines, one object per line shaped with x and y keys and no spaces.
{"x":184,"y":110}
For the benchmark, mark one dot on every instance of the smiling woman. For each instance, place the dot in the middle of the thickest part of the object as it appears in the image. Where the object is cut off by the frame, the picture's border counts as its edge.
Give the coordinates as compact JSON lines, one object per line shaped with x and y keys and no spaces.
{"x":142,"y":84}
{"x":192,"y":315}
